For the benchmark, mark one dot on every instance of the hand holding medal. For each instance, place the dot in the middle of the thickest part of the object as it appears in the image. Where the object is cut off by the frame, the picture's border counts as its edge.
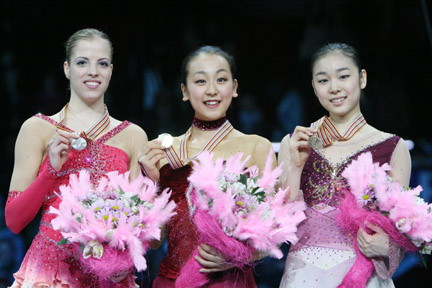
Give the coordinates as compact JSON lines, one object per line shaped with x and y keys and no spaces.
{"x":166,"y":140}
{"x":59,"y":146}
{"x":315,"y":142}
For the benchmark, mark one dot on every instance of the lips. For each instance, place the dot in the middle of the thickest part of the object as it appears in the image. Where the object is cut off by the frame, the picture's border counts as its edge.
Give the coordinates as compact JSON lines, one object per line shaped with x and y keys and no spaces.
{"x":212,"y":103}
{"x":338,"y":100}
{"x":92,"y":84}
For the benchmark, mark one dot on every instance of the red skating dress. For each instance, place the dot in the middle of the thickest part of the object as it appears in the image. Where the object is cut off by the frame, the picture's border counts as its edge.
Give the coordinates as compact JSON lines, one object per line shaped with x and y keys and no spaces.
{"x":183,"y":238}
{"x":47,"y":264}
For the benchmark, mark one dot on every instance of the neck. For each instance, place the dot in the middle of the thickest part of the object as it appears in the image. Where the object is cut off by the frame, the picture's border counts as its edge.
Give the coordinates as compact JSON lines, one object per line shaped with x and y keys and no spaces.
{"x":85,"y":111}
{"x":208,"y":125}
{"x":342,"y":122}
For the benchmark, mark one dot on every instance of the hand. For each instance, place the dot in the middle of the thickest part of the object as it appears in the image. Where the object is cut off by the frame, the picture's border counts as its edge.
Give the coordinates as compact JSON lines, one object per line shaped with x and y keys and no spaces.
{"x":120,"y":276}
{"x":58,"y":148}
{"x":374,"y":244}
{"x":149,"y":158}
{"x":211,"y":259}
{"x":299,"y":146}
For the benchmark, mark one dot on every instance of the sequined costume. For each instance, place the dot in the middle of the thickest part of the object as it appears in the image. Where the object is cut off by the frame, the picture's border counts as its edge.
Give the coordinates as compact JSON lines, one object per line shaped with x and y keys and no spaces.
{"x":182,"y":234}
{"x":324,"y":253}
{"x":46,"y":263}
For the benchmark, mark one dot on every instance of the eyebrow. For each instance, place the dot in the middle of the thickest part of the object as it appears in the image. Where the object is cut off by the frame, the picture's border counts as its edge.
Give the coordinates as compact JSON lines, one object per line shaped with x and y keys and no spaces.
{"x":203,"y":72}
{"x":85,"y":58}
{"x":337,"y":70}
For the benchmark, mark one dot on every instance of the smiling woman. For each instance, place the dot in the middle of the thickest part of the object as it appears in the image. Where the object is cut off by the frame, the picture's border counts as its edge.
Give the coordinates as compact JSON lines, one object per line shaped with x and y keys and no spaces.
{"x":208,"y":82}
{"x":325,"y":252}
{"x":50,"y":148}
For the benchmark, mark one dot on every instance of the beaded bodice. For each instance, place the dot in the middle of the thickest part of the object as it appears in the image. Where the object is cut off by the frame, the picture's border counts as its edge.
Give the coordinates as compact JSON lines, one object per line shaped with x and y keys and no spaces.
{"x":97,"y":158}
{"x":322,"y":182}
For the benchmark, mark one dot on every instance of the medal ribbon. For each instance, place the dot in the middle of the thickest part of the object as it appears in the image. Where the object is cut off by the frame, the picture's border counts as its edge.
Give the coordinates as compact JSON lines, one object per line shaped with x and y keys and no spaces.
{"x":177,"y":162}
{"x":94,"y":131}
{"x":327,"y":132}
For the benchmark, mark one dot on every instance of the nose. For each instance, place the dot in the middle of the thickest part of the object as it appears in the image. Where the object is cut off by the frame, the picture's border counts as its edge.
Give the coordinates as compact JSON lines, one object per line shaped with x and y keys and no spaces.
{"x":92,"y":70}
{"x":334,"y":87}
{"x":211,"y":89}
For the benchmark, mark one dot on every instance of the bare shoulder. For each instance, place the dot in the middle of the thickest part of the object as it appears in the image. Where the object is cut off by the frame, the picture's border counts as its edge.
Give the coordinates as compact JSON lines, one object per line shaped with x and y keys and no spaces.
{"x":260,"y":144}
{"x":38,"y":127}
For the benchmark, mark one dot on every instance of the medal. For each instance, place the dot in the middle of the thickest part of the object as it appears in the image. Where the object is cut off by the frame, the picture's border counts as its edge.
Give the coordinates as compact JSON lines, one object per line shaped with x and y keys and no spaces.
{"x":315,"y":142}
{"x":327,"y":132}
{"x":79,"y":143}
{"x":94,"y":131}
{"x":165,"y":139}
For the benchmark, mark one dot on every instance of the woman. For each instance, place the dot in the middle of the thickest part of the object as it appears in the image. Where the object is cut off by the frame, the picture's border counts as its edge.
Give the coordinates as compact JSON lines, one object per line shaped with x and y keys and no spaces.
{"x":50,"y":148}
{"x":314,"y":160}
{"x":208,"y":83}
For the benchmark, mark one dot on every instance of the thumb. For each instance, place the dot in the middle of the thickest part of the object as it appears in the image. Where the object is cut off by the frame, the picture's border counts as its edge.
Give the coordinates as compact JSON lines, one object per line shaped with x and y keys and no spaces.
{"x":374,"y":227}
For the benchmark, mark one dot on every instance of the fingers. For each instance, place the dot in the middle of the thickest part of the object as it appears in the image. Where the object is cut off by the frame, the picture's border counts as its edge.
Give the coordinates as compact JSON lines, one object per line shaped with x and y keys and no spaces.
{"x":59,"y":146}
{"x":150,"y":150}
{"x":212,"y":260}
{"x":374,"y":228}
{"x":301,"y":136}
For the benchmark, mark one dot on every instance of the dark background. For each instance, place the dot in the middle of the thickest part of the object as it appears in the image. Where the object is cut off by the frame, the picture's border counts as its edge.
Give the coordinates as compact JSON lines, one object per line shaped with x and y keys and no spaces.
{"x":271,"y":41}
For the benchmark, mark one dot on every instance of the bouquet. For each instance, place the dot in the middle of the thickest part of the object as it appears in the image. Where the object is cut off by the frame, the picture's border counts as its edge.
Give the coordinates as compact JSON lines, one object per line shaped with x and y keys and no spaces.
{"x":376,"y":198}
{"x":111,"y":224}
{"x":237,"y":212}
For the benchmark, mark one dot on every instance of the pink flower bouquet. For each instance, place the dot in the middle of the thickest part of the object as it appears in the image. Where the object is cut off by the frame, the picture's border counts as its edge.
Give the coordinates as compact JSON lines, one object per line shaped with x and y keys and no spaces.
{"x":111,"y":224}
{"x":376,"y":198}
{"x":237,"y":212}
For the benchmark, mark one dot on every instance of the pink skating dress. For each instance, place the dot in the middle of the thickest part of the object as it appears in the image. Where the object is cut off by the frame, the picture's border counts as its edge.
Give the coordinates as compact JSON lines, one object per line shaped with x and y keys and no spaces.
{"x":47,"y":264}
{"x":324,"y":253}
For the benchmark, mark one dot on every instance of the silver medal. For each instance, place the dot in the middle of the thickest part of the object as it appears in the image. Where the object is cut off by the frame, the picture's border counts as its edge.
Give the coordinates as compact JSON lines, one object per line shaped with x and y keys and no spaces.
{"x":79,"y":143}
{"x":315,"y":142}
{"x":166,"y":140}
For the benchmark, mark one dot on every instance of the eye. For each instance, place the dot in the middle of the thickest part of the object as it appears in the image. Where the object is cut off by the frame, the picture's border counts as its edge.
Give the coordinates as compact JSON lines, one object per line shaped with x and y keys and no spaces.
{"x":322,"y":81}
{"x":344,"y":76}
{"x":222,"y":79}
{"x":81,"y":62}
{"x":200,"y":81}
{"x":104,"y":63}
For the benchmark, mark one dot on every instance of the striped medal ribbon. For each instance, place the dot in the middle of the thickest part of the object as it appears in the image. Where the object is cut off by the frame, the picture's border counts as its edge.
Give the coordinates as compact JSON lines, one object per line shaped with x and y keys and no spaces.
{"x":177,"y":161}
{"x":92,"y":133}
{"x":327,"y":132}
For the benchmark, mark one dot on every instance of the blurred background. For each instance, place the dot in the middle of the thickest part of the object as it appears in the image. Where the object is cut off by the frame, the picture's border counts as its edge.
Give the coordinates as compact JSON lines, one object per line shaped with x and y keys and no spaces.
{"x":271,"y":40}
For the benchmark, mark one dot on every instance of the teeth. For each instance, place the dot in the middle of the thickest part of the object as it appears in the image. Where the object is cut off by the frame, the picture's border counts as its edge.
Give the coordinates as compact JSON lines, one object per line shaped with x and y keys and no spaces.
{"x":212,"y":102}
{"x":337,"y":100}
{"x":92,"y":83}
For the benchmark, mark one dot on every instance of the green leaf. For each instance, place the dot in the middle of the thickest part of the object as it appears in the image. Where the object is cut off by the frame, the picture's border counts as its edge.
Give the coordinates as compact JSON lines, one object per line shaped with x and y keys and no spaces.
{"x":243,"y":179}
{"x":63,"y":241}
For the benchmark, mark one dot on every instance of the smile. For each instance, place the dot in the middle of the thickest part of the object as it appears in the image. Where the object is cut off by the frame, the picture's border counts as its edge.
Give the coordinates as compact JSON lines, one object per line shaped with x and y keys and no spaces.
{"x":92,"y":84}
{"x":211,"y":103}
{"x":338,"y":100}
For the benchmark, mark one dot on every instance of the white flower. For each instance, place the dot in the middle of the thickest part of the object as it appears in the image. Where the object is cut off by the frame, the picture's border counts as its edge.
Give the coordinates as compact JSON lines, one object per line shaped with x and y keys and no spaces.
{"x":238,"y":188}
{"x":93,"y":249}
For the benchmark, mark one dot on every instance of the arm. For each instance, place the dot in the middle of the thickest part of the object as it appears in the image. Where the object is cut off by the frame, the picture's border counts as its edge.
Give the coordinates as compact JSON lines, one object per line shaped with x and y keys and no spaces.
{"x":150,"y":157}
{"x":293,"y":154}
{"x":386,"y":255}
{"x":136,"y":138}
{"x":30,"y":186}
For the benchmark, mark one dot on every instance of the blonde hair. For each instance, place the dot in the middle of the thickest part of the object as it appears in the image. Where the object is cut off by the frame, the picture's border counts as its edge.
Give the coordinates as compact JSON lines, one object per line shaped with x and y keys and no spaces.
{"x":88,"y":33}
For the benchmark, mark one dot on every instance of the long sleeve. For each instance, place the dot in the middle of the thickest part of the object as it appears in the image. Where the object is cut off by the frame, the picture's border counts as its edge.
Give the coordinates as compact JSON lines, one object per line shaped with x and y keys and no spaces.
{"x":401,"y":171}
{"x":22,"y":207}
